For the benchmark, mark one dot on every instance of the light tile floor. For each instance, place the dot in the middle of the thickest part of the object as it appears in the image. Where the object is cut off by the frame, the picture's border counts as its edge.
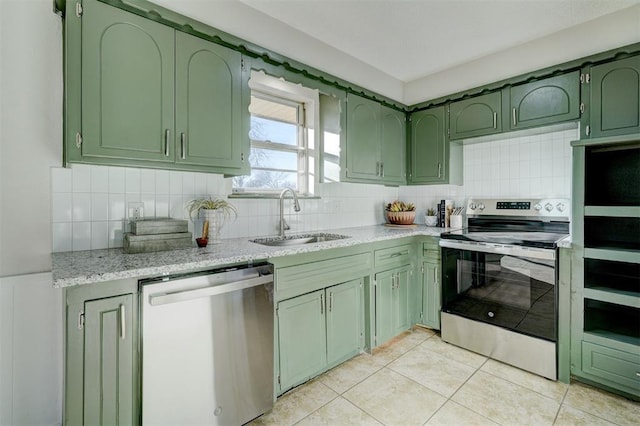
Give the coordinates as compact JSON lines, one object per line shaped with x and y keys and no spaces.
{"x":417,"y":379}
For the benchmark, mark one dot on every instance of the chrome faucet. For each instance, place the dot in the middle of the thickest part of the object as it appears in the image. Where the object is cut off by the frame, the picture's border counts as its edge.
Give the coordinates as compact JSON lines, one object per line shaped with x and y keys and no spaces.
{"x":296,"y":206}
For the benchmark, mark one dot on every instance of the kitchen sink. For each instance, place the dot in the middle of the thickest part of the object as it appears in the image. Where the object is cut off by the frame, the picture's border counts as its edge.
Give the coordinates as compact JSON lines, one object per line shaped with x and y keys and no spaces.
{"x":295,"y":240}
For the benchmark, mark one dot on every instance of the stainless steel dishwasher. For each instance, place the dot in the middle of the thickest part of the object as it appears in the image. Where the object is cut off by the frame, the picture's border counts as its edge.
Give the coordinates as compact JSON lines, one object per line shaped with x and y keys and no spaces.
{"x":207,"y":347}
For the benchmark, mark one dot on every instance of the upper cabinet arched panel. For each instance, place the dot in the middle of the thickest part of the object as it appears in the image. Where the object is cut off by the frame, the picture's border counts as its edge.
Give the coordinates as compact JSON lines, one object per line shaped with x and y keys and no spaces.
{"x":208,"y":87}
{"x":477,"y":116}
{"x":127,"y":85}
{"x":547,"y":101}
{"x":615,"y":98}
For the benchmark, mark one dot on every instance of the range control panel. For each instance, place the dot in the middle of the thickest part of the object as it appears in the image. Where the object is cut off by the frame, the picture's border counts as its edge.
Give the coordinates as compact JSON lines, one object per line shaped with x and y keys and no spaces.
{"x":540,"y":207}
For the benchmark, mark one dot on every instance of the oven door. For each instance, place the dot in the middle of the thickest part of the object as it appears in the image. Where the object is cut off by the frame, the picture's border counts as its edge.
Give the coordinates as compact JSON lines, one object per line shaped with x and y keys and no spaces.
{"x":512,"y":287}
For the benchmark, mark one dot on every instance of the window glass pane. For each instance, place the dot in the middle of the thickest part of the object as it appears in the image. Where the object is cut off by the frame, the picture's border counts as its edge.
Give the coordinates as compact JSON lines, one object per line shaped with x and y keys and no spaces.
{"x":274,"y":131}
{"x":264,"y":179}
{"x":270,"y":159}
{"x":275,"y":110}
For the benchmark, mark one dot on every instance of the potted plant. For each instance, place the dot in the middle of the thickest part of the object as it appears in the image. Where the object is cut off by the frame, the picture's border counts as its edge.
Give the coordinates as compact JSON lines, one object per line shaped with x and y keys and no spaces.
{"x":430,"y":218}
{"x":214,"y":212}
{"x":400,"y":213}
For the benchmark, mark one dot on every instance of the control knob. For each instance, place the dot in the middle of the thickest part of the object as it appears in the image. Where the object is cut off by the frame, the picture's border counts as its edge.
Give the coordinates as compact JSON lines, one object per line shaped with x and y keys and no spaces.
{"x":481,"y":206}
{"x":560,"y":207}
{"x":548,"y":207}
{"x":537,"y":207}
{"x":472,"y":206}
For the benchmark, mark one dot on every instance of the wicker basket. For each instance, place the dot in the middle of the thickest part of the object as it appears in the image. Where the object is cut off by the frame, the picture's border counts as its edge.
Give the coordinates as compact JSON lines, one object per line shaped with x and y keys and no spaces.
{"x":401,"y":218}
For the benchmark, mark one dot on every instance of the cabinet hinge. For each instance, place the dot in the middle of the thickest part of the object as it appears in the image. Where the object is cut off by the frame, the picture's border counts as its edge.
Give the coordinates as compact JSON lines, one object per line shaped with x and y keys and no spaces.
{"x":581,"y":107}
{"x":422,"y":269}
{"x":242,"y":157}
{"x":448,"y":132}
{"x":78,"y":9}
{"x":78,"y":140}
{"x":279,"y":379}
{"x":81,"y":320}
{"x":585,"y":78}
{"x":242,"y":64}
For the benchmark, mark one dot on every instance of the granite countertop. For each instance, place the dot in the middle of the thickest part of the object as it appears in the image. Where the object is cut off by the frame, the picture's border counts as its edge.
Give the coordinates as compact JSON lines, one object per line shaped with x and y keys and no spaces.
{"x":91,"y":266}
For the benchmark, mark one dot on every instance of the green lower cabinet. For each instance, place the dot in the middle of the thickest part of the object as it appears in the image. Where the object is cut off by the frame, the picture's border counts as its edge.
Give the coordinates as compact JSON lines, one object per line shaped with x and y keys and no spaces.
{"x":344,"y":321}
{"x":615,"y":98}
{"x":318,"y":330}
{"x":101,"y":362}
{"x":302,"y":334}
{"x":431,"y":301}
{"x":394,"y":291}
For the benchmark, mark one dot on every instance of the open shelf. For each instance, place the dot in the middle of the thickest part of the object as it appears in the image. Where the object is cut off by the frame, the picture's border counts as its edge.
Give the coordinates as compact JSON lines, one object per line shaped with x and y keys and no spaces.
{"x":612,"y":232}
{"x":612,"y":211}
{"x":612,"y":174}
{"x":605,"y":275}
{"x":612,"y":321}
{"x":613,"y":254}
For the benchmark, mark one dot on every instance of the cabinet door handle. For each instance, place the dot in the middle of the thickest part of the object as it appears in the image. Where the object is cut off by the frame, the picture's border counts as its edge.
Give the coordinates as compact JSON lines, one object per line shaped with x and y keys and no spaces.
{"x":330,"y":301}
{"x":514,"y":115}
{"x":167,"y":135}
{"x":377,"y":168}
{"x":495,"y":120}
{"x":321,"y":304}
{"x":382,"y":169}
{"x":123,"y":325}
{"x":439,"y":170}
{"x":182,"y":146}
{"x":435,"y":275}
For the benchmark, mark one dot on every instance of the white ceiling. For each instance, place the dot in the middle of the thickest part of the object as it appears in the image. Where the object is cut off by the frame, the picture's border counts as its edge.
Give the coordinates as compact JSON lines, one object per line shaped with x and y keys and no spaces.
{"x":397,"y":42}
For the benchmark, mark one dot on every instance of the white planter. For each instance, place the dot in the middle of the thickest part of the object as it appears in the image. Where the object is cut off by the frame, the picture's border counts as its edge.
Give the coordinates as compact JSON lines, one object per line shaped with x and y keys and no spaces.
{"x":215,"y":224}
{"x":430,"y":220}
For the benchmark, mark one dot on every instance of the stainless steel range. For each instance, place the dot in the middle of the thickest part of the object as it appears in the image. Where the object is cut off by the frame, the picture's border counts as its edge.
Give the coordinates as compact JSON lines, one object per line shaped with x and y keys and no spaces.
{"x":499,"y":281}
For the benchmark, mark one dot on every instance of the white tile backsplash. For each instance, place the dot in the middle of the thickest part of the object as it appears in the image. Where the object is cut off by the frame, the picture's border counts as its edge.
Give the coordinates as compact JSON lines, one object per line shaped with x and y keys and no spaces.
{"x":89,"y":203}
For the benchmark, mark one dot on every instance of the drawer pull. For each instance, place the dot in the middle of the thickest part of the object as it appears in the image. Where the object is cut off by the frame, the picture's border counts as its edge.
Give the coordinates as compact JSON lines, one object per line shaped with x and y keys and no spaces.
{"x":638,"y":374}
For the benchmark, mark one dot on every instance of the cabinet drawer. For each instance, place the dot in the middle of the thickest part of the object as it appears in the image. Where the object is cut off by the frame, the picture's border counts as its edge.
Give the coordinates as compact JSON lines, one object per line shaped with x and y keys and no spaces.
{"x":295,"y":280}
{"x":393,"y":256}
{"x":617,"y":366}
{"x":431,"y":251}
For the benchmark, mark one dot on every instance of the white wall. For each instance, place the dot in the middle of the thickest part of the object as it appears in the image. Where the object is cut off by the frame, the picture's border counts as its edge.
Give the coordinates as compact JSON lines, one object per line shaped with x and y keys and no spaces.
{"x":608,"y":32}
{"x":30,"y":143}
{"x":31,"y":131}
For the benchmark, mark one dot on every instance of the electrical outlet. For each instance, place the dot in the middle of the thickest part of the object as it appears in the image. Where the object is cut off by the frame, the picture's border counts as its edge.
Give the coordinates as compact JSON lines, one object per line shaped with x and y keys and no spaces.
{"x":135,"y":210}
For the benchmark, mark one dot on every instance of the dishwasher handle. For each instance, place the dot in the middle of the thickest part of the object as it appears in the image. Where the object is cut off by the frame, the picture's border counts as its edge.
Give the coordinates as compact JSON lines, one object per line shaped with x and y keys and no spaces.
{"x":180,"y":296}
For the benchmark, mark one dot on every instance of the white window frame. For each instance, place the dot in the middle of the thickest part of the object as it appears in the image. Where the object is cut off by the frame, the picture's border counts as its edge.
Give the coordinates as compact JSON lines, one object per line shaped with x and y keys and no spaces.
{"x":307,"y":102}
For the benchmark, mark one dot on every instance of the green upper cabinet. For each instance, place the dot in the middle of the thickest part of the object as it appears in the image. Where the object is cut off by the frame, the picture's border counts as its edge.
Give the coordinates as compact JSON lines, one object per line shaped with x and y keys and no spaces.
{"x":152,"y":96}
{"x":376,"y":136}
{"x":428,"y":162}
{"x":545,"y":102}
{"x":127,"y":86}
{"x":615,"y":98}
{"x":476,"y":116}
{"x":363,"y":139}
{"x":208,"y":103}
{"x":392,"y":145}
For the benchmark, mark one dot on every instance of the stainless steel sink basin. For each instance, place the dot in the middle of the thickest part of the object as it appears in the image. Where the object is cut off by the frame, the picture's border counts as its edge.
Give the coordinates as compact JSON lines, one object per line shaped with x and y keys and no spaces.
{"x":295,"y":240}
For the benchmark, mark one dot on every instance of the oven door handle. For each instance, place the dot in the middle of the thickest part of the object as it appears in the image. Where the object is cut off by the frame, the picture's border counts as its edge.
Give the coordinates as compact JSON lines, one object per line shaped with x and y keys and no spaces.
{"x":510,"y":250}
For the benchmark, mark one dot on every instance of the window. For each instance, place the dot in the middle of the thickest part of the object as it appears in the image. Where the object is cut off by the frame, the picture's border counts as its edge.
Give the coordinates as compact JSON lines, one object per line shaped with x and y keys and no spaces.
{"x":282,"y":145}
